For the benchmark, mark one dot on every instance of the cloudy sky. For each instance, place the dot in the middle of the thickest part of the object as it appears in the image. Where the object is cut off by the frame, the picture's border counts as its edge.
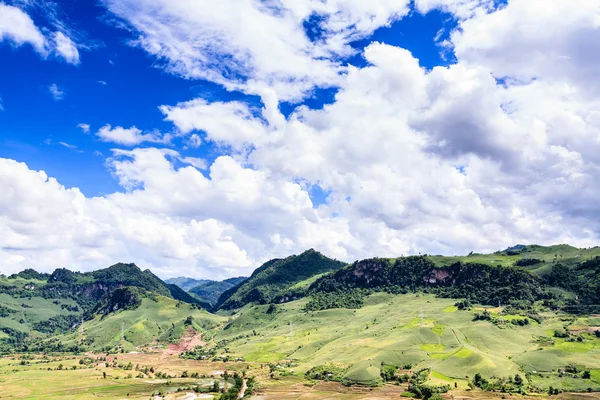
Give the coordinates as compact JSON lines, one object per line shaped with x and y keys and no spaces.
{"x":201,"y":138}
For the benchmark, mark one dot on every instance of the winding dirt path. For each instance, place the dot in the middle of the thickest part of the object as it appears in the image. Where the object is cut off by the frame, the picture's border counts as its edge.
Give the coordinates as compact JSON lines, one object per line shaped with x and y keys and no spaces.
{"x":242,"y":392}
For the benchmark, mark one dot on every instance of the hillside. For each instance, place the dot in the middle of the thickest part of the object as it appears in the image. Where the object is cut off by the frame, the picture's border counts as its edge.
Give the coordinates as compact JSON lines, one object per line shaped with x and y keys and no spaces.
{"x":481,"y":283}
{"x":210,"y":291}
{"x":526,"y":311}
{"x":388,"y":330}
{"x":576,"y":270}
{"x":34,"y":305}
{"x":154,"y":320}
{"x":274,"y":278}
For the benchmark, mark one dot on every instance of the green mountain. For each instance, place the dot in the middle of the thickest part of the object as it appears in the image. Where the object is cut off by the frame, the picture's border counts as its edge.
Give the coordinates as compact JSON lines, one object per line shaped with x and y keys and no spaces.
{"x":529,"y":311}
{"x":274,"y":279}
{"x":479,"y":283}
{"x":34,"y":305}
{"x":143,"y":318}
{"x":186,"y":283}
{"x":210,"y":291}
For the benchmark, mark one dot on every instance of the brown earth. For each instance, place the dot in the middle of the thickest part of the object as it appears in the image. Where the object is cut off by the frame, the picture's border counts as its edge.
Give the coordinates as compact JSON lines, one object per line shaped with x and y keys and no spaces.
{"x":189,"y":340}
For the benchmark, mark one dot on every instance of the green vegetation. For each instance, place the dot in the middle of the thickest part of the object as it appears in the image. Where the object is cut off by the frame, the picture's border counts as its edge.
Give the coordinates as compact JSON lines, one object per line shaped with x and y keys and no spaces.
{"x":480,"y":283}
{"x":34,"y":305}
{"x":517,"y":321}
{"x":272,"y":281}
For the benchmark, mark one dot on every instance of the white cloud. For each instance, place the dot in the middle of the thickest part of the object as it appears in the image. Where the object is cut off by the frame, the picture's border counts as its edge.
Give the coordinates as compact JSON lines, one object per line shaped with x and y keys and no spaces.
{"x":103,"y":83}
{"x":67,"y":145}
{"x":231,"y":123}
{"x":17,"y":27}
{"x":65,"y":47}
{"x":84,"y":127}
{"x":515,"y":41}
{"x":194,"y":141}
{"x":446,"y":160}
{"x":262,"y":44}
{"x":130,"y":136}
{"x":1,"y":105}
{"x":56,"y":92}
{"x":460,"y":8}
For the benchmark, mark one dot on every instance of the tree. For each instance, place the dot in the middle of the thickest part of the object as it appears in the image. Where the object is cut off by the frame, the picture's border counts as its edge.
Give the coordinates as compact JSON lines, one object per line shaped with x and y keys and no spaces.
{"x":388,"y":373}
{"x":104,"y":374}
{"x":518,"y":380}
{"x":550,"y":391}
{"x":586,"y":375}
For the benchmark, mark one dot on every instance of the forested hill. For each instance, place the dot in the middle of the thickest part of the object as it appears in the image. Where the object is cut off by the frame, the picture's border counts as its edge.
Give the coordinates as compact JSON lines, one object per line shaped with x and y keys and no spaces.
{"x":518,"y":275}
{"x":481,"y":283}
{"x":88,"y":287}
{"x":33,"y":303}
{"x":275,"y":277}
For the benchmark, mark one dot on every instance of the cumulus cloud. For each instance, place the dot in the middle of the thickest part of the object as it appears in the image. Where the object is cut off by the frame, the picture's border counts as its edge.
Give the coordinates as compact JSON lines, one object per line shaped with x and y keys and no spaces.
{"x":269,"y":48}
{"x":56,"y":92}
{"x":18,"y":28}
{"x":232,"y":123}
{"x":480,"y":154}
{"x":129,"y":136}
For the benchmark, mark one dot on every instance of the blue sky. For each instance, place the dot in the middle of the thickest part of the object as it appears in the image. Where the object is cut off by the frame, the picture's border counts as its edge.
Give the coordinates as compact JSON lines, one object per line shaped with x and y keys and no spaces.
{"x":34,"y":123}
{"x":203,"y":138}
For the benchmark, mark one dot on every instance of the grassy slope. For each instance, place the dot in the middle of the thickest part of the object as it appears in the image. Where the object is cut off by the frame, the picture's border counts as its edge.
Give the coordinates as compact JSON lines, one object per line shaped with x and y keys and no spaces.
{"x":29,"y":310}
{"x":388,"y":330}
{"x":562,"y":253}
{"x":153,"y":321}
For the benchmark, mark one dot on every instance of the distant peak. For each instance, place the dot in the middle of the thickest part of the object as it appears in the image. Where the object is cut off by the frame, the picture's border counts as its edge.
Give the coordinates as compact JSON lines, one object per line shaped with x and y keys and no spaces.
{"x":309,"y":252}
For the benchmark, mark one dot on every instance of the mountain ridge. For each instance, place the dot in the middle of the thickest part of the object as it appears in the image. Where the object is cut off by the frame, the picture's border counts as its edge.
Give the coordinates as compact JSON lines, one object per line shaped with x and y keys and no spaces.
{"x":271,"y":279}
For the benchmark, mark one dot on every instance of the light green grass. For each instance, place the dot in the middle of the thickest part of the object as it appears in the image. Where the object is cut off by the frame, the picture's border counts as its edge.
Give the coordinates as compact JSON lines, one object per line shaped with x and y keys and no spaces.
{"x":159,"y":320}
{"x":432,"y":348}
{"x":388,"y":329}
{"x":463,"y":353}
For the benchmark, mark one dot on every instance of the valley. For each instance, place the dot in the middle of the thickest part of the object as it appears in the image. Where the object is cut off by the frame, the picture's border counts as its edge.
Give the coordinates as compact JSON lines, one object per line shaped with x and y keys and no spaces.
{"x":479,"y":326}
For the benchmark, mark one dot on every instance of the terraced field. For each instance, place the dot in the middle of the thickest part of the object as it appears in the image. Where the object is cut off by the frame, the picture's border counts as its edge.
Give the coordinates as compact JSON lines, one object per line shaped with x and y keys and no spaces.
{"x":388,"y":330}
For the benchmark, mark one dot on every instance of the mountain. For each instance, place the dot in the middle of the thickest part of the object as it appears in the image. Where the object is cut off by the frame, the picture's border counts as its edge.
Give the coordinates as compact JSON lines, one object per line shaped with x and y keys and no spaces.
{"x":273,"y":280}
{"x":479,"y":283}
{"x":210,"y":291}
{"x":44,"y":304}
{"x":143,"y":318}
{"x":478,"y":320}
{"x":186,"y":283}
